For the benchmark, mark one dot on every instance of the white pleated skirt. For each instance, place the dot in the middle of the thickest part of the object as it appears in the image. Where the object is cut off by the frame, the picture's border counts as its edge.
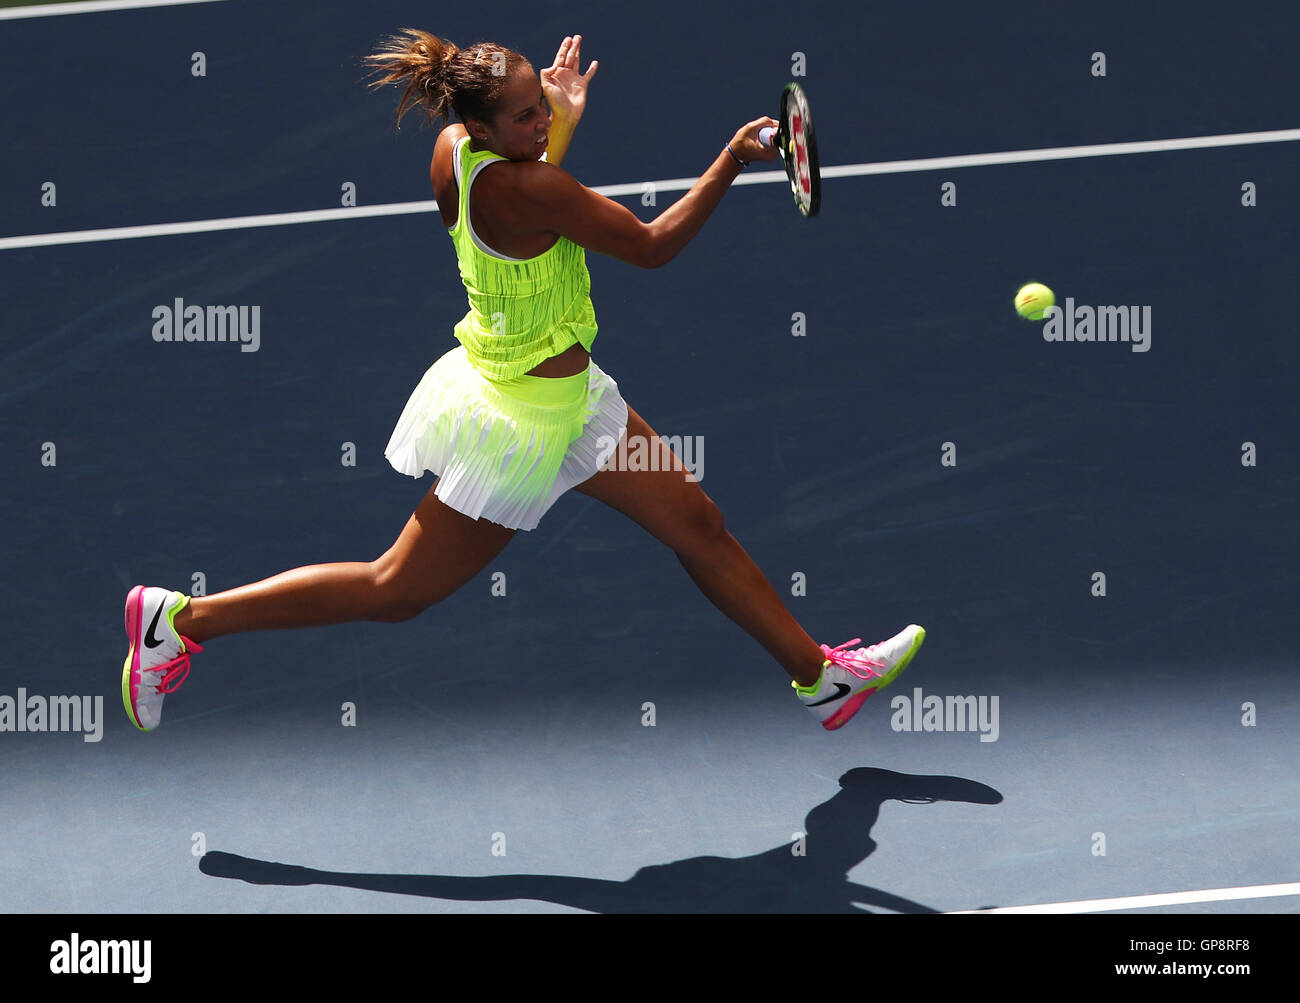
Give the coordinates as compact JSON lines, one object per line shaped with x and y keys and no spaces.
{"x":506,"y":450}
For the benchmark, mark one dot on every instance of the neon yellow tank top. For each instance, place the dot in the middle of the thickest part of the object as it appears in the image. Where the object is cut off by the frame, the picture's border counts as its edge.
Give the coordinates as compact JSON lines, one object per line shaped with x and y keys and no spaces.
{"x":521,"y":310}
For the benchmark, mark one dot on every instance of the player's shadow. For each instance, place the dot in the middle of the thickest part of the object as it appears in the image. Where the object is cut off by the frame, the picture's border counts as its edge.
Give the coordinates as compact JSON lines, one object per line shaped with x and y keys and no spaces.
{"x":838,"y":838}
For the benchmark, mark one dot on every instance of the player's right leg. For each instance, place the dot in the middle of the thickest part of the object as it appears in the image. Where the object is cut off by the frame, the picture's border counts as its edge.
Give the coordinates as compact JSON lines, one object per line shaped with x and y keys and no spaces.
{"x":832,"y":682}
{"x":439,"y":551}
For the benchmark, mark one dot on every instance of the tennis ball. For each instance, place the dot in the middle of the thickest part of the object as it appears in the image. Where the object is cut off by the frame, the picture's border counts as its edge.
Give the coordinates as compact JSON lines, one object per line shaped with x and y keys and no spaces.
{"x":1033,"y":299}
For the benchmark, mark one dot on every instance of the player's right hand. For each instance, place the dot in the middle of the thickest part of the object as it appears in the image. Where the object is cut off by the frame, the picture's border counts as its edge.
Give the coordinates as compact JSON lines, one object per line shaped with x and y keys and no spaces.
{"x":746,"y":145}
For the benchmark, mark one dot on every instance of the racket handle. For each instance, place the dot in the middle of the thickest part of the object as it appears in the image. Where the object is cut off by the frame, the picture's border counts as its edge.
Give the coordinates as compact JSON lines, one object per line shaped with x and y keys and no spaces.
{"x":765,"y":135}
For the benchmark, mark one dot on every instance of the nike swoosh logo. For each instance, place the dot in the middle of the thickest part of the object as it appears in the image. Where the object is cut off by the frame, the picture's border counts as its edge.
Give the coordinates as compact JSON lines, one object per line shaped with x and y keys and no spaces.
{"x":150,"y":641}
{"x":841,"y":689}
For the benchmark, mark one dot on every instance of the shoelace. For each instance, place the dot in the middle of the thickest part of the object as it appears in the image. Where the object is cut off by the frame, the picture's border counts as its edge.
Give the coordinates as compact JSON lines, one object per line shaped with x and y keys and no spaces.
{"x":852,"y":661}
{"x":177,"y":670}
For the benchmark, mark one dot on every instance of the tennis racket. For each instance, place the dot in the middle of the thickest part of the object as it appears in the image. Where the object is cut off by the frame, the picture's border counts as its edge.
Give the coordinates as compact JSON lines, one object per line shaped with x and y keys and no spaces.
{"x":796,"y":142}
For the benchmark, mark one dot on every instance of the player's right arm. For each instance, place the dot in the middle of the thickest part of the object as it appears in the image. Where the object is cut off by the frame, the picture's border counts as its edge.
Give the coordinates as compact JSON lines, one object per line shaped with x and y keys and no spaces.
{"x":544,"y":198}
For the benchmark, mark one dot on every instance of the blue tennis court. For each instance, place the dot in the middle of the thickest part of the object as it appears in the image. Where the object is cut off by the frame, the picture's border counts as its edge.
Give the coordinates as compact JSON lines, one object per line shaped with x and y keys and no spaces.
{"x":1100,"y":537}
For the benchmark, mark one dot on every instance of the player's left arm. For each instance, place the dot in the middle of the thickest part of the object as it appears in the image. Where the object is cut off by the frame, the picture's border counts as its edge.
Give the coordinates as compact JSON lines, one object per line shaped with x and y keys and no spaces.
{"x":566,"y":92}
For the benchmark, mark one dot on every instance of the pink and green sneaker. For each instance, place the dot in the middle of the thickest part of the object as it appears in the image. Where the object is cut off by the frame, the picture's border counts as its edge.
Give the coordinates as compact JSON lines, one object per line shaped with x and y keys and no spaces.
{"x":158,"y":659}
{"x":849,"y":677}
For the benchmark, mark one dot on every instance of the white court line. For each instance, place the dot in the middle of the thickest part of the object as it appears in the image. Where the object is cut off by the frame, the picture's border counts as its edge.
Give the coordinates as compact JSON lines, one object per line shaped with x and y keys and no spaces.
{"x":210,"y":225}
{"x":1146,"y":901}
{"x":671,"y":184}
{"x":89,"y":7}
{"x":1064,"y":153}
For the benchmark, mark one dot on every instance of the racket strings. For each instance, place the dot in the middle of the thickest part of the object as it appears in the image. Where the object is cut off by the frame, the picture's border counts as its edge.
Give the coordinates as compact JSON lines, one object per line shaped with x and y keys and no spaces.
{"x":799,"y":155}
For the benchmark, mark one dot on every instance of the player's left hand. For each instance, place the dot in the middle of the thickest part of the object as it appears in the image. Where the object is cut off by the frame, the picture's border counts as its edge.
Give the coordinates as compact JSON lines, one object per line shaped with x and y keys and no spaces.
{"x":565,"y":88}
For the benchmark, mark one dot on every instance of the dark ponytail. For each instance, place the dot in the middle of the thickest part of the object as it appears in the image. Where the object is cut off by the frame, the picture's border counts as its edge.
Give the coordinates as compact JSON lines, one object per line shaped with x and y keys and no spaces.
{"x":443,"y":78}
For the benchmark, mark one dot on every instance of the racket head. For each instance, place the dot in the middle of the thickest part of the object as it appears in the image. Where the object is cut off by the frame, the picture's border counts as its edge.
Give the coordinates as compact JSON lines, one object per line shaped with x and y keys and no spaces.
{"x":796,"y":141}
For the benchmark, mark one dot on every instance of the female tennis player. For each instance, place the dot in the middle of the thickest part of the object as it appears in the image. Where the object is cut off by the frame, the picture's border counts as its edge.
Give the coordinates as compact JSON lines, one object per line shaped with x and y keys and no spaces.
{"x":518,"y":412}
